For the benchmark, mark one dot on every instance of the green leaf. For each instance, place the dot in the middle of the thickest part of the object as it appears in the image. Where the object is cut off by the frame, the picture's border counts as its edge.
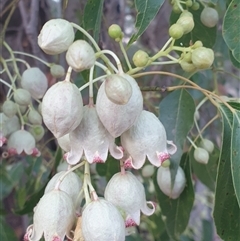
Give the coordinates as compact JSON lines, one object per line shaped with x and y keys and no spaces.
{"x":235,"y":154}
{"x":7,"y":233}
{"x":176,"y":212}
{"x":206,"y":173}
{"x":199,"y":32}
{"x":234,"y":61}
{"x":176,"y":114}
{"x":109,"y":168}
{"x":147,"y":10}
{"x":92,"y":17}
{"x":231,"y":33}
{"x":226,"y":210}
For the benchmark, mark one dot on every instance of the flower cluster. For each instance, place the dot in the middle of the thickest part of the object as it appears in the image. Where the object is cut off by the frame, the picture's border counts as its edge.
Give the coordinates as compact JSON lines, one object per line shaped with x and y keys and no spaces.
{"x":87,"y":133}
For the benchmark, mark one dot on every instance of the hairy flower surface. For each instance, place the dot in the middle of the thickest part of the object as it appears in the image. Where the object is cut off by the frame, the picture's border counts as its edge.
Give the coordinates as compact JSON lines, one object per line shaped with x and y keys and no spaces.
{"x":147,"y":137}
{"x":165,"y":183}
{"x":22,"y":141}
{"x":53,"y":217}
{"x":71,"y":184}
{"x":119,"y":118}
{"x":102,"y":221}
{"x":127,"y":193}
{"x":93,"y":139}
{"x":62,"y":108}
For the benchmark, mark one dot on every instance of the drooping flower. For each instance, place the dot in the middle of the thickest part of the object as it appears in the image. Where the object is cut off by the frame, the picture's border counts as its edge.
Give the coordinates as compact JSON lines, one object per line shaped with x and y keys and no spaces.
{"x":71,"y":184}
{"x":22,"y":141}
{"x":165,"y":183}
{"x":53,"y":217}
{"x":93,"y":139}
{"x":101,"y":220}
{"x":127,"y":193}
{"x":62,"y":108}
{"x":64,"y":142}
{"x":147,"y":137}
{"x":119,"y":118}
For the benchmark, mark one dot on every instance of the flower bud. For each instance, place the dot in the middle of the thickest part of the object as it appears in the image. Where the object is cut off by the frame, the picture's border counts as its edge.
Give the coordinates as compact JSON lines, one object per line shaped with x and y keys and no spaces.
{"x":165,"y":183}
{"x":201,"y":155}
{"x":207,"y":145}
{"x":140,"y":58}
{"x":34,"y":117}
{"x":22,"y":141}
{"x":202,"y":57}
{"x":119,"y":118}
{"x":188,"y":67}
{"x":71,"y":184}
{"x":187,"y":23}
{"x":195,"y":6}
{"x":56,"y":36}
{"x":22,"y":97}
{"x":209,"y":17}
{"x":62,"y":108}
{"x":57,"y":71}
{"x":111,"y":227}
{"x":115,"y":32}
{"x":118,"y":89}
{"x":8,"y":125}
{"x":37,"y":131}
{"x":176,"y":31}
{"x":80,"y":55}
{"x":148,"y":171}
{"x":35,"y":81}
{"x":53,"y":217}
{"x":23,"y":109}
{"x":9,"y":108}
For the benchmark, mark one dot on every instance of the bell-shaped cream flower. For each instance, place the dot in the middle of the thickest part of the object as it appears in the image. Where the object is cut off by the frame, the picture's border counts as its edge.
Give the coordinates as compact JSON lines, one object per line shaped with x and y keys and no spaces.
{"x":22,"y":141}
{"x":53,"y":217}
{"x":71,"y":184}
{"x":147,"y":137}
{"x":93,"y":139}
{"x":119,"y":118}
{"x":102,"y":221}
{"x":127,"y":193}
{"x":62,"y":108}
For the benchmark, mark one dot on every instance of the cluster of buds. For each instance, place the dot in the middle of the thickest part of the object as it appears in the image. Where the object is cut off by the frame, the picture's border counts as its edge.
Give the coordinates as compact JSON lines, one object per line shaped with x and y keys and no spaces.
{"x":19,"y":109}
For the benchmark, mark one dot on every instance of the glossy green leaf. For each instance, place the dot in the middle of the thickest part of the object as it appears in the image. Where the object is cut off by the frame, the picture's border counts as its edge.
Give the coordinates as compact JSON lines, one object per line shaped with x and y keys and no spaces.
{"x":176,"y":114}
{"x":146,"y":11}
{"x":6,"y":232}
{"x":206,"y":173}
{"x":231,"y":33}
{"x":226,"y":210}
{"x":199,"y":32}
{"x":92,"y":17}
{"x":176,"y":212}
{"x":235,"y":154}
